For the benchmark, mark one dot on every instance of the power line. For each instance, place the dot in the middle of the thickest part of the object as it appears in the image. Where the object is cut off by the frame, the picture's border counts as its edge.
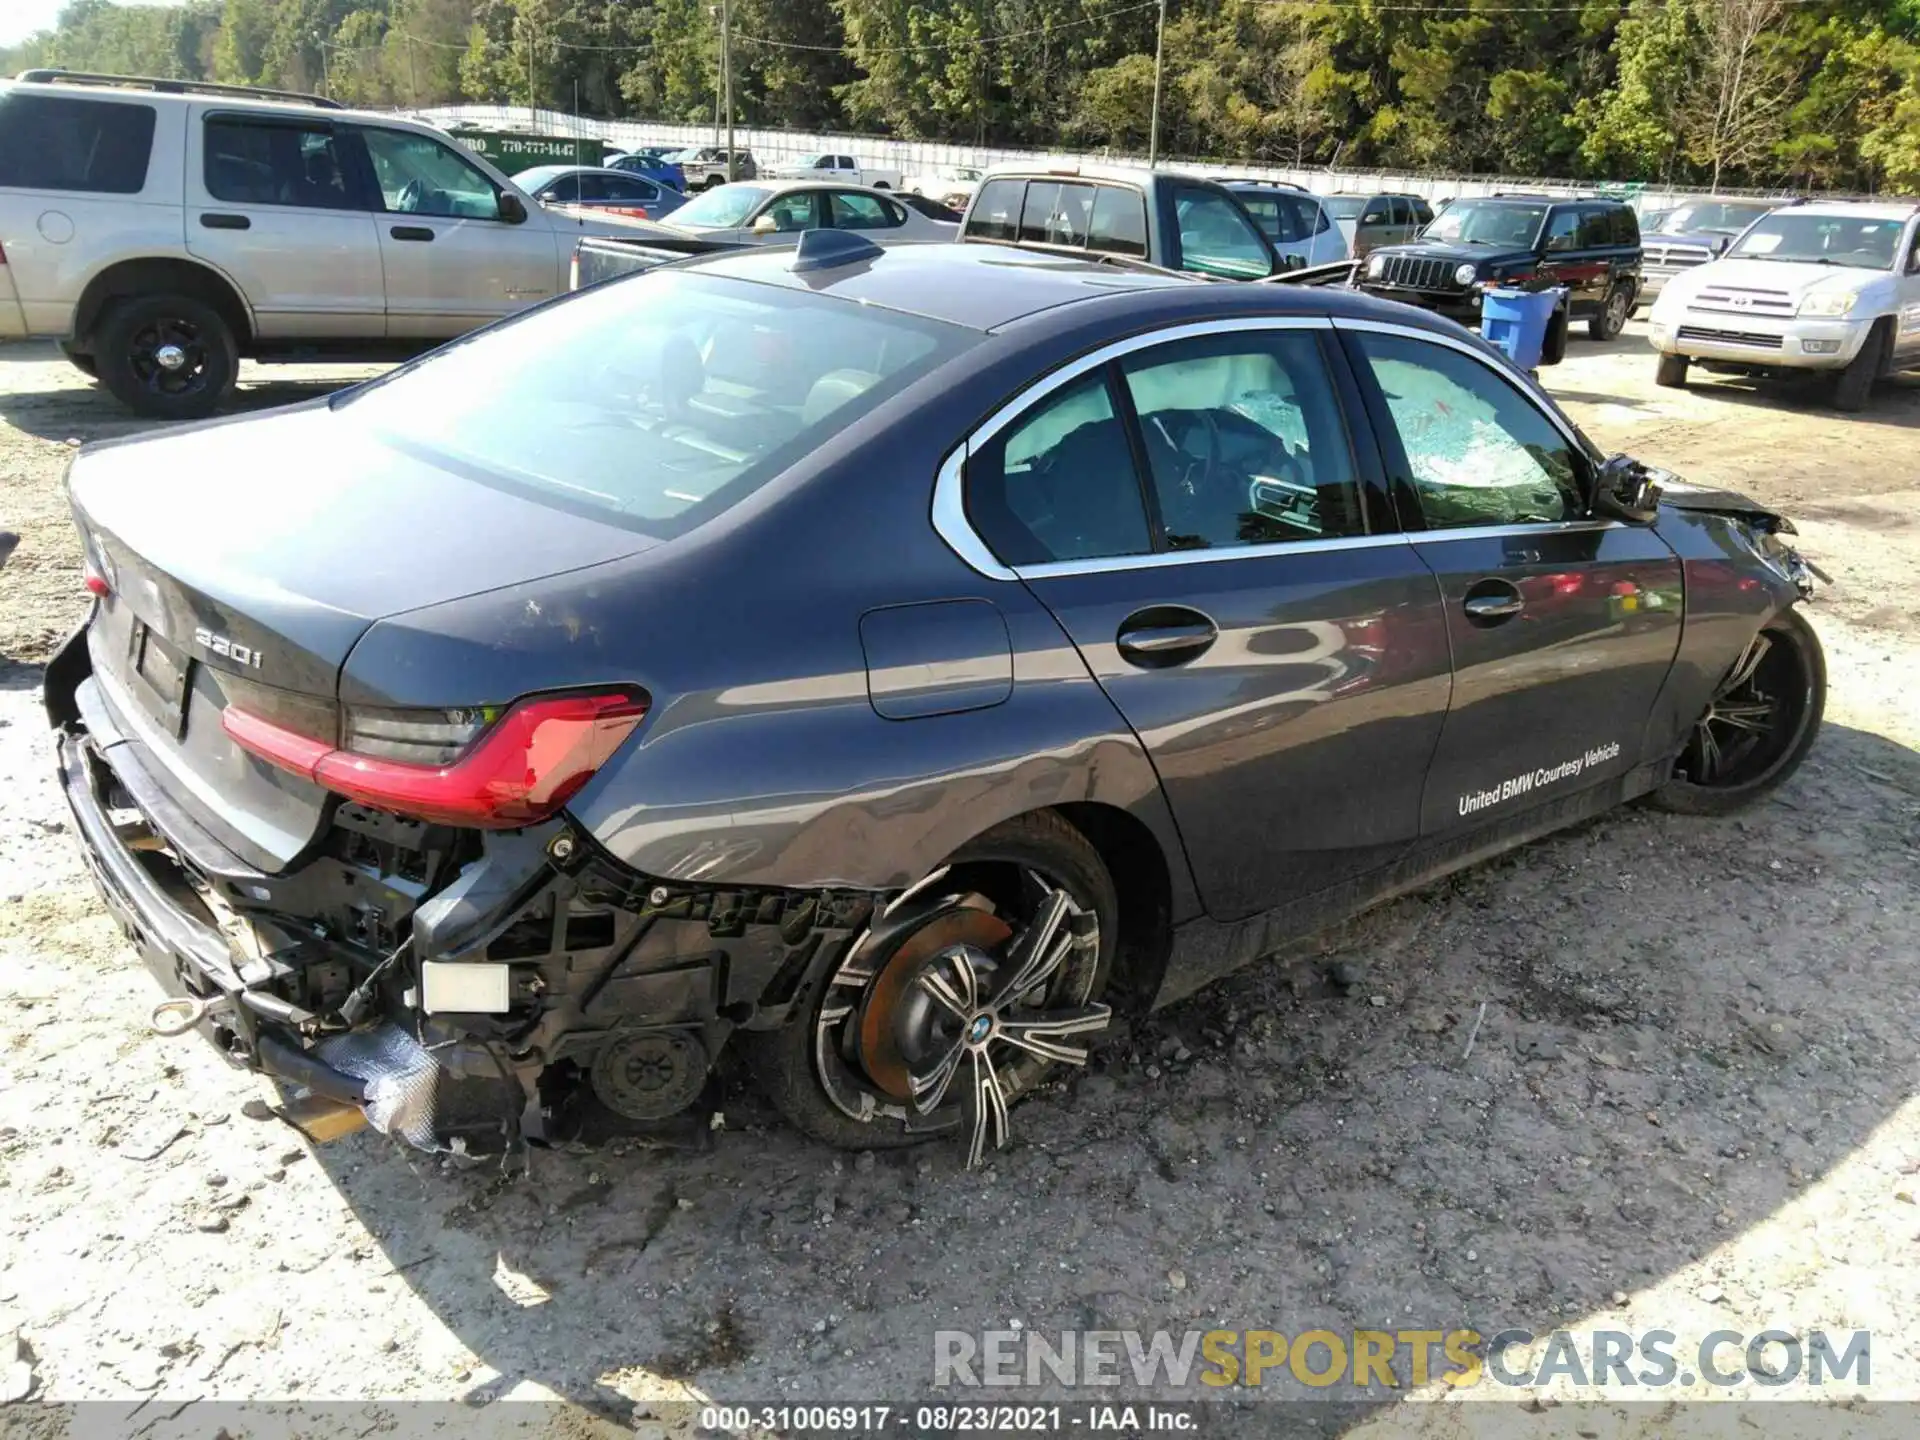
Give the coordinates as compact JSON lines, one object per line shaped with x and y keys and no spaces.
{"x":979,"y":42}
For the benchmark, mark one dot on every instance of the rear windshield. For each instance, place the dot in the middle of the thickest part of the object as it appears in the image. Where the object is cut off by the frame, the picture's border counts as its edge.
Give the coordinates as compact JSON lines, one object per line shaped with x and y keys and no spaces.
{"x":656,"y":402}
{"x":50,"y":142}
{"x":1345,"y":207}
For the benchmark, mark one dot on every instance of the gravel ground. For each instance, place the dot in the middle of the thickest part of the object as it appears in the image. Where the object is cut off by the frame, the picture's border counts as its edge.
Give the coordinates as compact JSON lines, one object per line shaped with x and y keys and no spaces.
{"x":1687,"y":1105}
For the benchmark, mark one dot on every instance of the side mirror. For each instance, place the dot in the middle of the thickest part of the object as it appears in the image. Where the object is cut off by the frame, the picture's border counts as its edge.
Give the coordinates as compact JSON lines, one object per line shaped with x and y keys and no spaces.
{"x":513,"y":210}
{"x":1293,"y":262}
{"x":1374,"y":217}
{"x":766,"y":225}
{"x":1624,"y":489}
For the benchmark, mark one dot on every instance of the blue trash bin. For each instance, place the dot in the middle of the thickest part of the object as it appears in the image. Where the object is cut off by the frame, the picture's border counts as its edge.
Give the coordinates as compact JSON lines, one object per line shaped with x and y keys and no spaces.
{"x":1517,"y":320}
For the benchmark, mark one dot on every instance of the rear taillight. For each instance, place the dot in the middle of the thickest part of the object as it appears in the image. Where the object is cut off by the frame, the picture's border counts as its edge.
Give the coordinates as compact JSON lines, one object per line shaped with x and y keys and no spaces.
{"x":96,"y":583}
{"x":523,"y":766}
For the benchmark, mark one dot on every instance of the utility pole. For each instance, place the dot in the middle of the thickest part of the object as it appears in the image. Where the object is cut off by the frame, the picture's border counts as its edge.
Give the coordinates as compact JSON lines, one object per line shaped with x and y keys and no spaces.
{"x":413,"y":85}
{"x":726,"y":73}
{"x":532,"y":117}
{"x":326,"y":78}
{"x":1159,"y":63}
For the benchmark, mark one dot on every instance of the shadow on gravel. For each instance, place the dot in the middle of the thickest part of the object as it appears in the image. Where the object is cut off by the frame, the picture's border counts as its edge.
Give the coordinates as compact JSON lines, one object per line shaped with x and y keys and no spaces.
{"x":1895,"y":401}
{"x":15,"y":676}
{"x":85,"y":410}
{"x":1687,"y":1022}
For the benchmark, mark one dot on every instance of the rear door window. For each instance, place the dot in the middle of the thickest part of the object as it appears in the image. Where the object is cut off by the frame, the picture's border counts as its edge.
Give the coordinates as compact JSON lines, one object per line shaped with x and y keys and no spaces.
{"x":1626,"y":227}
{"x":1119,"y":222}
{"x":996,"y":210}
{"x":1217,"y":238}
{"x":275,"y":162}
{"x":49,"y":142}
{"x":627,"y":189}
{"x":850,"y":210}
{"x":1060,"y":483}
{"x":1056,"y":214}
{"x":1596,"y":228}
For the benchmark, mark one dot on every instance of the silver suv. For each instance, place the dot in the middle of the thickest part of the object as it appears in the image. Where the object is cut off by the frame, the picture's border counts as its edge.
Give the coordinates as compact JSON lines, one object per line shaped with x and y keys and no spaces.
{"x":162,"y":230}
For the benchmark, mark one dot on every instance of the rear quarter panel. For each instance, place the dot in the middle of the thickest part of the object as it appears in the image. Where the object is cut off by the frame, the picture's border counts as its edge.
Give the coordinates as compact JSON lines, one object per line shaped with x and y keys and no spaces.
{"x":763,"y":760}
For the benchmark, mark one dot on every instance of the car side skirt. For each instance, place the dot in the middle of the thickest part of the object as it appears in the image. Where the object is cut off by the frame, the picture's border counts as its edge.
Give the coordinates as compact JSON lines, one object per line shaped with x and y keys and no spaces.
{"x":1205,"y":950}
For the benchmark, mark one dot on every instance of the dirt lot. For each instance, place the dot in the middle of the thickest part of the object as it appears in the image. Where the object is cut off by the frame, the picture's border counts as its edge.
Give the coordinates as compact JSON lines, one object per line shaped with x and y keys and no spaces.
{"x":1688,"y":1104}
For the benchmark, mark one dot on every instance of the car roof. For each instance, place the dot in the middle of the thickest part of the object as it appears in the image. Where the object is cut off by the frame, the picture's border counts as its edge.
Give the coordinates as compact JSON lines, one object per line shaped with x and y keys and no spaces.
{"x":986,"y":286}
{"x":1113,"y":174}
{"x":774,"y":182}
{"x":1861,"y":209}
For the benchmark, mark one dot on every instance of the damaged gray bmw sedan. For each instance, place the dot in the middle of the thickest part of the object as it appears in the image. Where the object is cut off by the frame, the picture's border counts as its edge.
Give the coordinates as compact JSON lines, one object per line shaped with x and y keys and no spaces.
{"x":873,"y":668}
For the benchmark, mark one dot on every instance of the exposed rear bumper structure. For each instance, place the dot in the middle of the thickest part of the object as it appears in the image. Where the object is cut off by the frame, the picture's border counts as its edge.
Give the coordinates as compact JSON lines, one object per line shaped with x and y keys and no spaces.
{"x":324,"y":976}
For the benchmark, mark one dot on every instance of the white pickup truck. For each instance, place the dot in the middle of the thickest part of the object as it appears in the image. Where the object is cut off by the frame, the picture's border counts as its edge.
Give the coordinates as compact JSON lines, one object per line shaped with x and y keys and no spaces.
{"x":845,"y":168}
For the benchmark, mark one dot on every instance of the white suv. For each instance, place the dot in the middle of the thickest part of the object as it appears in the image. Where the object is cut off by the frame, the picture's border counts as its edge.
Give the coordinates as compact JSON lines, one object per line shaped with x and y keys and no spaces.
{"x":1812,"y":287}
{"x":161,"y":230}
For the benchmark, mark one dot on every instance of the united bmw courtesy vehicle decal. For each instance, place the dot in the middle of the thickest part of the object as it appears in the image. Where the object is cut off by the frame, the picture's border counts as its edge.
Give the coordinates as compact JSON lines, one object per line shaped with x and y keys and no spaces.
{"x":1515,"y":786}
{"x":652,"y":764}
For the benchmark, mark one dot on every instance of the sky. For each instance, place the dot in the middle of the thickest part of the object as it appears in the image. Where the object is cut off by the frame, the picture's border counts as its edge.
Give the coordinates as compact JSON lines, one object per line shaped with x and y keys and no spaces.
{"x":20,"y":18}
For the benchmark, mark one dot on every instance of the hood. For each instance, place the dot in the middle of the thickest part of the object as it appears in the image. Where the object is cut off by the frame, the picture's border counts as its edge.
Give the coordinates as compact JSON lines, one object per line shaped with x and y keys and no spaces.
{"x":1714,"y":240}
{"x":1795,"y":277}
{"x":1458,"y":251}
{"x":290,"y":534}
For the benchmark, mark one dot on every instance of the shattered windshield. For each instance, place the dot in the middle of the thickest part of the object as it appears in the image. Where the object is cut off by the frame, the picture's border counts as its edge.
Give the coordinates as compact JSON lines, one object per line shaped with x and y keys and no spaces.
{"x":658,"y":401}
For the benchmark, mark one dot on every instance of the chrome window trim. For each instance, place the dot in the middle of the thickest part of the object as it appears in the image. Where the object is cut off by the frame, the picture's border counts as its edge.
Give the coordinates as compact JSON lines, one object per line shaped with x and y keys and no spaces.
{"x":949,"y":489}
{"x":950,"y":519}
{"x":1054,"y":569}
{"x":1496,"y":532}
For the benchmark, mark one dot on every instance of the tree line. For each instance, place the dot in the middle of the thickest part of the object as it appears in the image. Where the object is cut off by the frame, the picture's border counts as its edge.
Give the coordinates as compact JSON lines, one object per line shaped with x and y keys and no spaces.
{"x":1805,"y":94}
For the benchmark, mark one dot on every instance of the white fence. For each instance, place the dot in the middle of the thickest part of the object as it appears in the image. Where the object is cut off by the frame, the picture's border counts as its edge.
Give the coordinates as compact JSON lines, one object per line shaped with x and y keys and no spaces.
{"x":922,"y":156}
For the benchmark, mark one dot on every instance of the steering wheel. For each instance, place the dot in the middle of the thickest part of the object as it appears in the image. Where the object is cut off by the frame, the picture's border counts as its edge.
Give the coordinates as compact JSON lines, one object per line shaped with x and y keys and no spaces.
{"x":411,"y":194}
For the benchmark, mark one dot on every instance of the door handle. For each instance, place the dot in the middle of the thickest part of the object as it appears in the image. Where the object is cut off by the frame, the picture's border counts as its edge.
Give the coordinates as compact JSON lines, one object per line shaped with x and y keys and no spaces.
{"x":411,"y":232}
{"x":1492,"y":602}
{"x":215,"y":221}
{"x":1165,"y":635}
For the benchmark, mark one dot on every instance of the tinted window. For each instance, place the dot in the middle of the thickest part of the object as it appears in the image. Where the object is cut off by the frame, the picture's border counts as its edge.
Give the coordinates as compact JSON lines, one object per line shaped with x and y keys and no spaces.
{"x":1287,"y":219}
{"x":1422,"y":212}
{"x":252,"y":162}
{"x":996,"y":210}
{"x":852,"y":211}
{"x":1217,"y":238}
{"x":1479,"y":452}
{"x":1119,"y":224}
{"x":1059,"y":483}
{"x":417,"y":175}
{"x":1626,"y":226}
{"x":1056,"y":214}
{"x":564,"y":191}
{"x":1244,"y":440}
{"x":626,"y":187}
{"x":48,"y":142}
{"x":659,"y":402}
{"x":790,"y":212}
{"x":1596,"y":228}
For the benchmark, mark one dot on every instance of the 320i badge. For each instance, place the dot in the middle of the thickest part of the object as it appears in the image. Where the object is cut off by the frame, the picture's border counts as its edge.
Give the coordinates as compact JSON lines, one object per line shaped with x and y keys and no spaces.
{"x":877,"y":666}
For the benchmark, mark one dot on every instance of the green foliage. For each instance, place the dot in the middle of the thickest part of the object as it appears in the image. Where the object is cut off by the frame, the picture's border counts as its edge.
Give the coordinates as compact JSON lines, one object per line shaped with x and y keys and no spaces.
{"x":1806,"y":93}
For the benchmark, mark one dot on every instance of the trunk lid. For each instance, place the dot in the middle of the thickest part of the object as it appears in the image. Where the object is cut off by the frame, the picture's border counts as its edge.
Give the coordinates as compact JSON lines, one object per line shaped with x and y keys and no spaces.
{"x":245,"y":560}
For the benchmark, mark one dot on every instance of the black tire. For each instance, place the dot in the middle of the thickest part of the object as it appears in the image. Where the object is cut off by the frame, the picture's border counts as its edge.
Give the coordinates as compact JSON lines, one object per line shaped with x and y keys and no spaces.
{"x":787,"y":1062}
{"x":85,"y":364}
{"x":1671,"y":372}
{"x":128,"y":345}
{"x":1612,"y":316}
{"x":1553,"y":347}
{"x":1790,"y":677}
{"x":1854,"y":387}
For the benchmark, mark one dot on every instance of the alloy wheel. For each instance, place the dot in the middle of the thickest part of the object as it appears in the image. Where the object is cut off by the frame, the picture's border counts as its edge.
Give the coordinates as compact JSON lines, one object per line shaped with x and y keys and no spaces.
{"x":958,"y":1001}
{"x":1617,"y":312}
{"x":1752,"y":720}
